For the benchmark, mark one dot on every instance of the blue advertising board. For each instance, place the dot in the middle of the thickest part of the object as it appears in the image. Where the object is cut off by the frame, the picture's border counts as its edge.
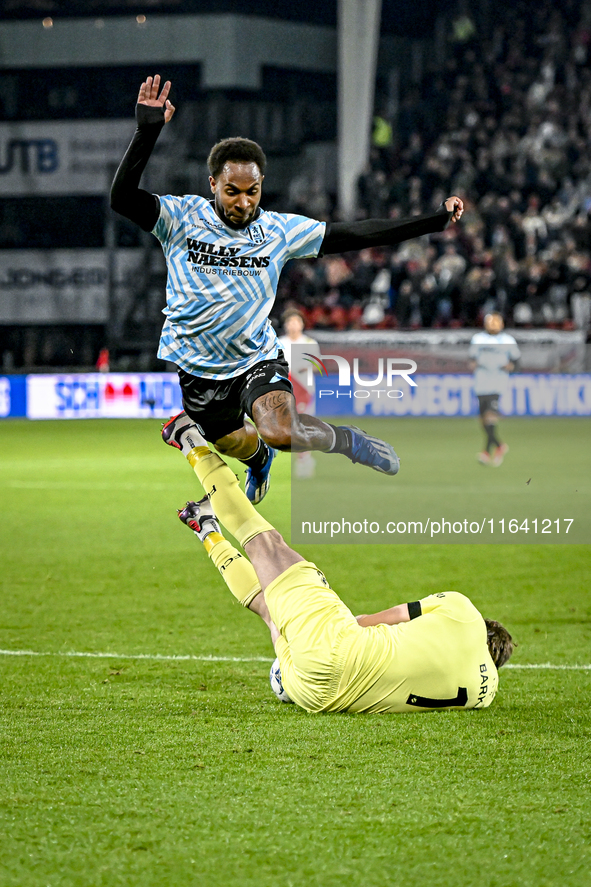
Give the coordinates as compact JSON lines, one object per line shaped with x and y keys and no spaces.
{"x":527,"y":394}
{"x":13,"y":396}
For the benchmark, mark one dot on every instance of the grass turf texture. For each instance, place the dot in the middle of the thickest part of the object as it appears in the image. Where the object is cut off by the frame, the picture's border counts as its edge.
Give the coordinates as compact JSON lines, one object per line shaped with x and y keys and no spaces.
{"x":122,"y":771}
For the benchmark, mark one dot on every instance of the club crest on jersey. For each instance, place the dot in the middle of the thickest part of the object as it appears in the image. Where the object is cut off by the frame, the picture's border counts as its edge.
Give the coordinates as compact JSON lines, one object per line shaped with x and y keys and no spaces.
{"x":256,"y":234}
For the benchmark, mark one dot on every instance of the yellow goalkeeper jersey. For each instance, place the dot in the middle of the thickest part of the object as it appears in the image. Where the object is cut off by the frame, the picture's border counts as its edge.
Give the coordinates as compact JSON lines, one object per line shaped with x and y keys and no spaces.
{"x":329,"y":662}
{"x":439,"y":659}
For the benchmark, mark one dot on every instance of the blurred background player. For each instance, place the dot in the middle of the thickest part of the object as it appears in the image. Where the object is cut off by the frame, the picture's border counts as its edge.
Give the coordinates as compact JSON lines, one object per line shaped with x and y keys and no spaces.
{"x":301,"y":375}
{"x":436,"y":653}
{"x":224,"y":259}
{"x":493,"y":354}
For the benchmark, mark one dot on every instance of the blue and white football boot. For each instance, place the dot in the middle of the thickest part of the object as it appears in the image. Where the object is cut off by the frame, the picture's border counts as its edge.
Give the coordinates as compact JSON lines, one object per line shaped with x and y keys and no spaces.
{"x":372,"y":451}
{"x":258,"y":483}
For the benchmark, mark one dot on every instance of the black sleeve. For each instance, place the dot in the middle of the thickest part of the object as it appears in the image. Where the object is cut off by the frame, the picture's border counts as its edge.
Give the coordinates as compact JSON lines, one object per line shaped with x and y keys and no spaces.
{"x":127,"y":198}
{"x":342,"y":237}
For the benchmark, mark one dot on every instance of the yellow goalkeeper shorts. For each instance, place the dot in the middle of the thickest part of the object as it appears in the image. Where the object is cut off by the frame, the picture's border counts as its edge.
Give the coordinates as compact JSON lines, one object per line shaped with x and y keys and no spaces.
{"x":316,"y":633}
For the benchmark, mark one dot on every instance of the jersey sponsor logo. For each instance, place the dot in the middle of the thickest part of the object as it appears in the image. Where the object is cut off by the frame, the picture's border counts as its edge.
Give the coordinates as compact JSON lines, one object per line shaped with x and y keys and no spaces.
{"x":256,"y":233}
{"x":203,"y":226}
{"x":216,"y":255}
{"x":206,"y":225}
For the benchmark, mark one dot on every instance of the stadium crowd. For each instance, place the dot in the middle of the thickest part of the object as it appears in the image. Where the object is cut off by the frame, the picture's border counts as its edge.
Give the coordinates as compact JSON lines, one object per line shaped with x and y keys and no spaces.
{"x":507,"y":126}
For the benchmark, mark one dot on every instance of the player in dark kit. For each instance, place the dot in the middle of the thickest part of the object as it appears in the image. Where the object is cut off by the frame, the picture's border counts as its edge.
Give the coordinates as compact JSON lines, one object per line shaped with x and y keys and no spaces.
{"x":224,"y":259}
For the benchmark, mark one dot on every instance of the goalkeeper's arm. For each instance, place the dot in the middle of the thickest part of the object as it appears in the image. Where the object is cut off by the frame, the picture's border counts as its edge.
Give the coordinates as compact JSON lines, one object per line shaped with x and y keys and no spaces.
{"x":392,"y":616}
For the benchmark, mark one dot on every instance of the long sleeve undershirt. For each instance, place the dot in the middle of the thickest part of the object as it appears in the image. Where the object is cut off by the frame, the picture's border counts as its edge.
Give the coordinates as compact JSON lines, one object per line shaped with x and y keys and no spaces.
{"x":143,"y":208}
{"x":127,"y":198}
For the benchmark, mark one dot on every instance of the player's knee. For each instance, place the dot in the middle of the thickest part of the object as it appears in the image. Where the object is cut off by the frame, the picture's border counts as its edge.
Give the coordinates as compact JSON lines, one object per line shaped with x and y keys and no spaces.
{"x":238,"y":444}
{"x":277,"y":436}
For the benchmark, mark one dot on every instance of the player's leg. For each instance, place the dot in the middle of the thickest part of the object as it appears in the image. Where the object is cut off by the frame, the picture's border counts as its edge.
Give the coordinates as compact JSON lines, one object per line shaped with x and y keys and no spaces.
{"x":282,"y":427}
{"x":267,"y":398}
{"x":490,"y":422}
{"x":269,"y":555}
{"x":253,"y":452}
{"x":219,"y":482}
{"x":216,"y":406}
{"x":489,"y":418}
{"x":236,"y":571}
{"x":238,"y":574}
{"x":236,"y":513}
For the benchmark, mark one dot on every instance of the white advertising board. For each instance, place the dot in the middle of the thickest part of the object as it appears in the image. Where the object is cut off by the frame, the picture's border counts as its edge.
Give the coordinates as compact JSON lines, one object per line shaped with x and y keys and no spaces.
{"x":103,"y":396}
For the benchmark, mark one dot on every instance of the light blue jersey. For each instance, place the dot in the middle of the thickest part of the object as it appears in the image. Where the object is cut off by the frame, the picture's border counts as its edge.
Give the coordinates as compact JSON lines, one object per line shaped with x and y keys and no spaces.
{"x":222,"y":284}
{"x":491,"y":353}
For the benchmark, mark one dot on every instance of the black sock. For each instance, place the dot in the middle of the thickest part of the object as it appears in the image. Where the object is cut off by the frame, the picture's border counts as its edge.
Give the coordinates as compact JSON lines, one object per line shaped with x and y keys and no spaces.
{"x":258,"y":459}
{"x":343,"y":441}
{"x":492,"y":439}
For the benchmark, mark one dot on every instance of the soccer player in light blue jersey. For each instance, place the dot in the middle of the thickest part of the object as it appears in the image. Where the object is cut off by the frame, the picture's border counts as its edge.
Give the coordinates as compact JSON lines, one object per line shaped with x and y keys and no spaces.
{"x":224,"y":258}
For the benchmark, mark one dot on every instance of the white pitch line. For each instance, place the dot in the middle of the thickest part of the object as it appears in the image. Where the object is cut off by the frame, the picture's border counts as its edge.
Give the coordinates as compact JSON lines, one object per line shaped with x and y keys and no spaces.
{"x":154,"y":656}
{"x":549,"y":665}
{"x":190,"y":657}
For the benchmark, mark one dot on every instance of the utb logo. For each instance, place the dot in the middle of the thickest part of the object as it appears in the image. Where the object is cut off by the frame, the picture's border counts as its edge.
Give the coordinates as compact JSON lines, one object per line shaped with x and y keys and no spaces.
{"x":30,"y":155}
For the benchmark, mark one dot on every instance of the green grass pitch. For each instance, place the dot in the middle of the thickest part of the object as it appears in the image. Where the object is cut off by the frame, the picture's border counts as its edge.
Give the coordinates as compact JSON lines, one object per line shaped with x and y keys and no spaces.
{"x":162,"y":772}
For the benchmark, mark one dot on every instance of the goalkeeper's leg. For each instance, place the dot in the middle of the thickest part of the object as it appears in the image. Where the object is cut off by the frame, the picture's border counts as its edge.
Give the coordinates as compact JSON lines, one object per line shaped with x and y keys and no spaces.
{"x":235,"y":569}
{"x":270,"y":555}
{"x":220,"y":483}
{"x":231,"y":506}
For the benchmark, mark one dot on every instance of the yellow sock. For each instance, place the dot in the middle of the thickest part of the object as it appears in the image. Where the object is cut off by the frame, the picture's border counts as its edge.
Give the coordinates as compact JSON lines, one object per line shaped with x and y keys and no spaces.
{"x":230,"y":504}
{"x":235,"y":569}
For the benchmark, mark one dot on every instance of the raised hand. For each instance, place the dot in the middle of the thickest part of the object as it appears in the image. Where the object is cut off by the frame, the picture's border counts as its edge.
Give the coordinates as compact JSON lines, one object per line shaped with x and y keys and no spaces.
{"x":148,"y":95}
{"x":454,"y":205}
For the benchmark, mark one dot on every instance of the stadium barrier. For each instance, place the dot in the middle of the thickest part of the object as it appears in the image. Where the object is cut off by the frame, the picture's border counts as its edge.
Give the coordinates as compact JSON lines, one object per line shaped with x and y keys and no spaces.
{"x":158,"y":395}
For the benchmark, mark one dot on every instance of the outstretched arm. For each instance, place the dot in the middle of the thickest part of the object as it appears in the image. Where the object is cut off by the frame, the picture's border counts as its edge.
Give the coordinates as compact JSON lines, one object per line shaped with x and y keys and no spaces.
{"x":393,"y":616}
{"x":127,"y":198}
{"x":341,"y":237}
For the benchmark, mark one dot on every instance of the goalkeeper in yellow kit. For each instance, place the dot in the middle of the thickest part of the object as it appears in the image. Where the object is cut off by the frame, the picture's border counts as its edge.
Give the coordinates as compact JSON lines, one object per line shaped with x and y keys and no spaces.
{"x":436,"y":653}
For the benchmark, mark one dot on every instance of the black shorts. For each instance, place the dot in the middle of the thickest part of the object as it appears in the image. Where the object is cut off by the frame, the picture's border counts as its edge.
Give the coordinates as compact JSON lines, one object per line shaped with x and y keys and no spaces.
{"x":488,"y":403}
{"x":219,"y":405}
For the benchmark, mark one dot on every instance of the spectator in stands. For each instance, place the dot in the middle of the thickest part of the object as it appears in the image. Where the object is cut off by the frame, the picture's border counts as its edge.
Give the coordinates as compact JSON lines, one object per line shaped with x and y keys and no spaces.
{"x":508,"y":120}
